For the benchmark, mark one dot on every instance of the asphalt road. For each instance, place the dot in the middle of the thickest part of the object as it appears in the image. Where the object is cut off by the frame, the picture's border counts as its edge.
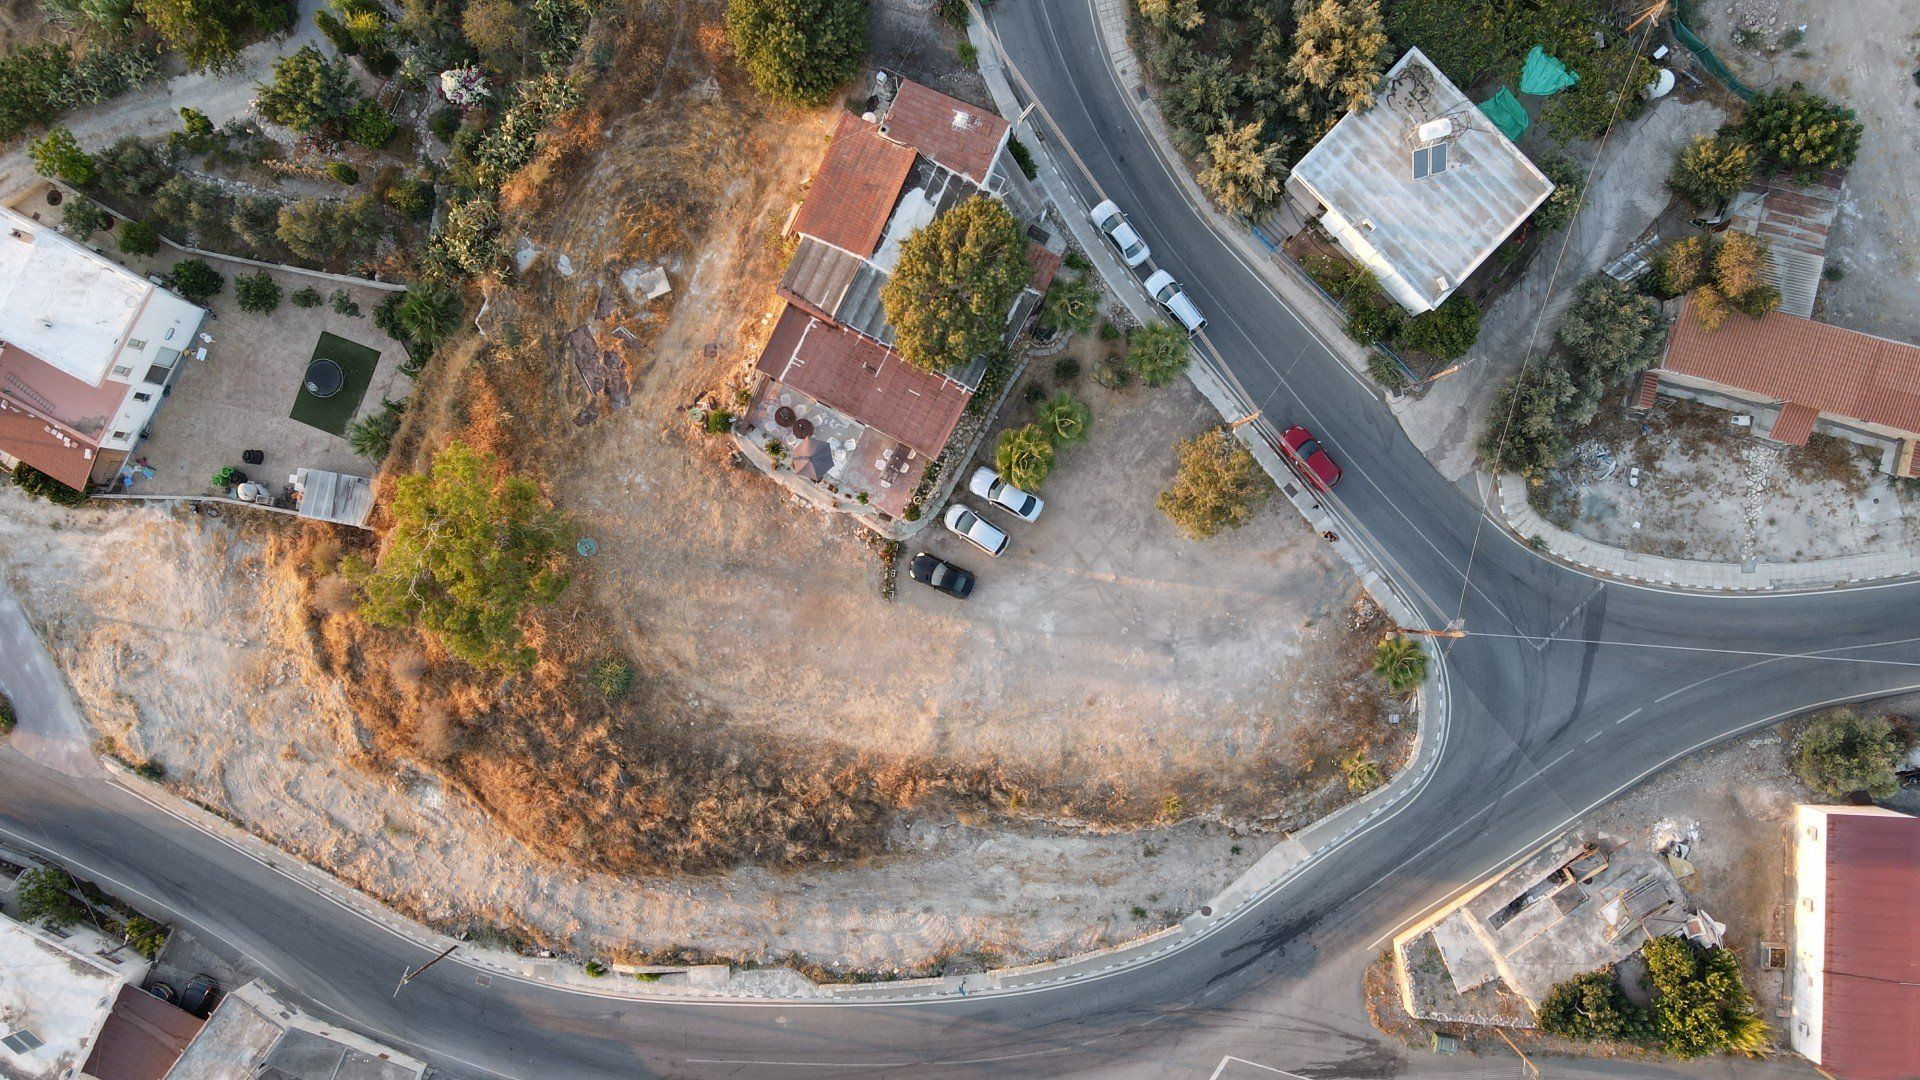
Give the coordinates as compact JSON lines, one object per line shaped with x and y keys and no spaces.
{"x":1568,"y":690}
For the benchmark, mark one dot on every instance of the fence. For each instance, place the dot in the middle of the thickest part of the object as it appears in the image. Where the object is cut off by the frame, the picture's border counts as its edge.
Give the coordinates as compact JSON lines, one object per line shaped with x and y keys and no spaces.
{"x":1709,"y":61}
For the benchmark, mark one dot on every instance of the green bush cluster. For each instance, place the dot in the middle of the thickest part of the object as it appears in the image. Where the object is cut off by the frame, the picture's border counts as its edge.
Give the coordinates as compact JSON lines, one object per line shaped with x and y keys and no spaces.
{"x":39,"y":82}
{"x":1216,"y":486}
{"x":1843,"y":752}
{"x":1700,"y":1004}
{"x":799,"y":51}
{"x":41,"y":486}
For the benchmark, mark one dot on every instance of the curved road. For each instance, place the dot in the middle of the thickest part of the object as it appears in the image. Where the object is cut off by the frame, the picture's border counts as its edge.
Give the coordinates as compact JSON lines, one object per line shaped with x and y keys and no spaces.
{"x":1567,"y":690}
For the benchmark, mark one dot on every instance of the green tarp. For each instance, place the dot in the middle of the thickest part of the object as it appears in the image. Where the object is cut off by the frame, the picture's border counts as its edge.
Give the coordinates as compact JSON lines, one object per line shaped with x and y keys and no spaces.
{"x":1544,"y":75}
{"x":1507,"y":114}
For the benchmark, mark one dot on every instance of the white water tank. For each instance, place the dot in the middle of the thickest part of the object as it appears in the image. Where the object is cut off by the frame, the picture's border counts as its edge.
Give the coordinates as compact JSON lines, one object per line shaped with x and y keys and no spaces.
{"x":1434,"y":130}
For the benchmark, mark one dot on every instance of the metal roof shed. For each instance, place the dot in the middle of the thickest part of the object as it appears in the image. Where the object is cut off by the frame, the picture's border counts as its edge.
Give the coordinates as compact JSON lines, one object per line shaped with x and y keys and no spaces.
{"x":335,"y":497}
{"x":1421,"y":187}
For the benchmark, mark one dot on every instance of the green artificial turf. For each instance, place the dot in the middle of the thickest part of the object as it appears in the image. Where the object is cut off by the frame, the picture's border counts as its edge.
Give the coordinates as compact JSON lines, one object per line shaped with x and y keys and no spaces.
{"x":335,"y":413}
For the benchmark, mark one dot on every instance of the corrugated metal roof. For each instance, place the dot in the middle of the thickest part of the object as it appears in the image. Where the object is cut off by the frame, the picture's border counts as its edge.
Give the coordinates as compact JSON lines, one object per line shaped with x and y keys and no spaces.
{"x":1794,"y":221}
{"x":855,"y":187}
{"x":1445,"y":224}
{"x":142,"y":1038}
{"x":1839,"y":372}
{"x":961,"y":136}
{"x":819,"y":274}
{"x":1870,"y":1015}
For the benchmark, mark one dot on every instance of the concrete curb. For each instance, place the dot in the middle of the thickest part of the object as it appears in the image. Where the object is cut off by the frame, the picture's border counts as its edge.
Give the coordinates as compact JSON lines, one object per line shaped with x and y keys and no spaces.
{"x":1511,"y":511}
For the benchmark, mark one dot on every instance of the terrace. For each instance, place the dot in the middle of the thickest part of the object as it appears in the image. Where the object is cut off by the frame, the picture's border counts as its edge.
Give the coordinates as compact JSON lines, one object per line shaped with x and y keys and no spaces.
{"x":865,"y":461}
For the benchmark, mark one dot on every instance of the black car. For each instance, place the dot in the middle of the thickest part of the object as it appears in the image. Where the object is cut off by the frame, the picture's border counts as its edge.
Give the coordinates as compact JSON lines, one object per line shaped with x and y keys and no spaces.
{"x":942,"y":575}
{"x":200,"y":996}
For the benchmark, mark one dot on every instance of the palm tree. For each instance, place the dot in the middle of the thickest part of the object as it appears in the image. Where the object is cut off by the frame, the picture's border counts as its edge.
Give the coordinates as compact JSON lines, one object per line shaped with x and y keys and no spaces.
{"x":1065,"y":419}
{"x":1363,"y":773}
{"x":1401,"y":663}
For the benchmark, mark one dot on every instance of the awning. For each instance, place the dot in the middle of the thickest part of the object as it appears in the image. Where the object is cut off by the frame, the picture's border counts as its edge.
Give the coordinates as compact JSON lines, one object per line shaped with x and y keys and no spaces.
{"x":1507,"y":114}
{"x":1542,"y":74}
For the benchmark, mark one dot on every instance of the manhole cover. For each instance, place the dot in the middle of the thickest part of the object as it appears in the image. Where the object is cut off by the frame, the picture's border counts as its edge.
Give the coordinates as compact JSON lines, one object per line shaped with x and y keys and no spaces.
{"x":1205,"y":912}
{"x":587,"y":546}
{"x":712,"y":351}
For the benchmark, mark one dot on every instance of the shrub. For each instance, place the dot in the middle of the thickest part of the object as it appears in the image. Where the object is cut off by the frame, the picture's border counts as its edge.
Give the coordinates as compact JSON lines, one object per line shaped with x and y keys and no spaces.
{"x":956,"y":279}
{"x":469,"y":240}
{"x":82,"y":218}
{"x":1684,"y":265}
{"x":342,"y":173}
{"x":30,"y":81}
{"x":309,"y":92}
{"x":307,"y":297}
{"x":1400,"y":662}
{"x":372,"y":438}
{"x":1216,"y":485}
{"x":1066,"y":420}
{"x":57,"y":154}
{"x":1023,"y":157}
{"x":1362,"y":772}
{"x":146,"y":936}
{"x":1159,"y":353}
{"x":139,"y":238}
{"x":1710,"y":169}
{"x":1591,"y":1006}
{"x":195,"y":281}
{"x":1611,"y":332}
{"x":1800,"y":132}
{"x":967,"y":54}
{"x":1569,"y":181}
{"x":207,"y":33}
{"x":344,"y":304}
{"x":1024,"y":456}
{"x":1243,"y":169}
{"x":41,"y":486}
{"x":1066,"y":369}
{"x":798,"y":51}
{"x":369,"y":125}
{"x":1843,"y":752}
{"x":595,"y":968}
{"x":7,"y":719}
{"x":257,"y":292}
{"x":470,"y":550}
{"x":613,"y":677}
{"x":150,"y":769}
{"x":1523,"y":432}
{"x":1109,"y":331}
{"x":45,"y":896}
{"x":1700,"y":1003}
{"x":1446,"y":332}
{"x":411,"y":198}
{"x":1072,"y":304}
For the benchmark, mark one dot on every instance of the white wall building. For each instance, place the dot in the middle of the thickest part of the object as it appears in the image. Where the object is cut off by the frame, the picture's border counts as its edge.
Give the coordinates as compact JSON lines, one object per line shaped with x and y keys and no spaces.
{"x":87,"y":349}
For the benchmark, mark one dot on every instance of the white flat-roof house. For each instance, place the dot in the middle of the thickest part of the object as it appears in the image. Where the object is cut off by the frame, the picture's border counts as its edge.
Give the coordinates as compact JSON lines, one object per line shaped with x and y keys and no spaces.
{"x":87,"y":350}
{"x":1421,"y":187}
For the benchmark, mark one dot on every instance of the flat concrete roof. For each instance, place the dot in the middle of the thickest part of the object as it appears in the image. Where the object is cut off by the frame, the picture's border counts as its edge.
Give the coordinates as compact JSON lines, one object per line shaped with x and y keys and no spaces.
{"x":1428,"y":233}
{"x":57,"y":999}
{"x":64,"y":304}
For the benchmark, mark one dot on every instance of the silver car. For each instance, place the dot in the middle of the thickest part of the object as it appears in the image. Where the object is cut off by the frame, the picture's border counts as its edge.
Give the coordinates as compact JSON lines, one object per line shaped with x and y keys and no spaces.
{"x":991,"y":486}
{"x":975,"y":530}
{"x":1119,"y":232}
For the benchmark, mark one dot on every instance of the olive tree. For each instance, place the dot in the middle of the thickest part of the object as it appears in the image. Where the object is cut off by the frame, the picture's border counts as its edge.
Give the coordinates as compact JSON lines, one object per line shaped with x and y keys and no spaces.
{"x":1243,"y":169}
{"x":1843,"y":752}
{"x":798,"y":51}
{"x":1217,"y":485}
{"x":955,"y":282}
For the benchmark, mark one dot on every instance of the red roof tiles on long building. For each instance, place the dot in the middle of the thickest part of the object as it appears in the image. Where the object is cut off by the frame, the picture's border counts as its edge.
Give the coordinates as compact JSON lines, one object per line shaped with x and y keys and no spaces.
{"x":1828,"y":368}
{"x":855,"y":187}
{"x":963,"y":137}
{"x":867,"y":381}
{"x":1870,"y":1015}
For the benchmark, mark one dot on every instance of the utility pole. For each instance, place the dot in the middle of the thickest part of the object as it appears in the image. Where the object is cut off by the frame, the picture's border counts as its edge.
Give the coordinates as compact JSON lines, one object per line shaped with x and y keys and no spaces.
{"x":1243,"y":421}
{"x":1525,"y":1061}
{"x":411,"y":973}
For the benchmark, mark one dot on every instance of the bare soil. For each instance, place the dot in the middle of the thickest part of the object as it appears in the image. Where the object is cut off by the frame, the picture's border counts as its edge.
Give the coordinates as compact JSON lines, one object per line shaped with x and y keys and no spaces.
{"x":1709,"y":490}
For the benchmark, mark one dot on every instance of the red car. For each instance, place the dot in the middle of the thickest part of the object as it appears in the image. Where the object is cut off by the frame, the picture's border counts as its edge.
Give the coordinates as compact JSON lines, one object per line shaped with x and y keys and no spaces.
{"x":1313,"y":463}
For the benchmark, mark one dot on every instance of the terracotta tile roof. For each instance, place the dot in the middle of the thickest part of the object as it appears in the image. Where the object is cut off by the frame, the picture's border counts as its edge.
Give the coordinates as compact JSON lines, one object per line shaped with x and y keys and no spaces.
{"x":1839,"y":372}
{"x":1045,"y":264}
{"x":1794,"y":424}
{"x":863,"y":379}
{"x":1649,"y":390}
{"x":142,"y":1038}
{"x":44,"y":446}
{"x":82,"y":408}
{"x":855,"y":188}
{"x":963,"y":137}
{"x":1870,"y":1015}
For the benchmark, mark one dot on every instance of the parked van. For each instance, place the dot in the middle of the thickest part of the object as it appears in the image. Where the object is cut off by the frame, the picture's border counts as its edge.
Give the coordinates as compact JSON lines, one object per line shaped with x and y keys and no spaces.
{"x":1163,"y":288}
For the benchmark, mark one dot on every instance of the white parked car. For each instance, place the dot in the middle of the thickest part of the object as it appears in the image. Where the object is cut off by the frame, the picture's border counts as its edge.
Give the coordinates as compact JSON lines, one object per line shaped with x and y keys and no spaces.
{"x":1163,"y":288}
{"x":975,"y":529}
{"x":1119,"y":232}
{"x":991,"y":486}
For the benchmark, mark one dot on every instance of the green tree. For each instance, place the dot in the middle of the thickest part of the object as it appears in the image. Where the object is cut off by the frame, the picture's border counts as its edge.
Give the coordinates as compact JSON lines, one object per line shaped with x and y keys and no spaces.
{"x":341,"y":172}
{"x":1243,"y":169}
{"x":1024,"y":456}
{"x":1684,"y":265}
{"x":1739,"y":282}
{"x":798,"y":51}
{"x":1800,"y":132}
{"x":139,"y":238}
{"x":83,"y":217}
{"x":955,"y":282}
{"x":307,"y":297}
{"x":195,"y":281}
{"x":411,"y":198}
{"x":1700,"y":1003}
{"x":1843,"y":752}
{"x":498,"y":30}
{"x":1217,"y":485}
{"x":257,"y":292}
{"x":58,"y":154}
{"x":1066,"y":419}
{"x":1339,"y":51}
{"x":1446,"y":332}
{"x":1400,"y":662}
{"x":1710,"y":169}
{"x":1611,"y":331}
{"x":1178,"y":14}
{"x":372,"y":438}
{"x":310,"y":92}
{"x":319,"y":230}
{"x":207,"y":33}
{"x":1591,"y":1006}
{"x":1569,"y":181}
{"x":471,"y":550}
{"x":1073,"y":303}
{"x":45,"y":896}
{"x":41,"y":486}
{"x":429,"y":312}
{"x":1158,"y":352}
{"x":1524,"y":432}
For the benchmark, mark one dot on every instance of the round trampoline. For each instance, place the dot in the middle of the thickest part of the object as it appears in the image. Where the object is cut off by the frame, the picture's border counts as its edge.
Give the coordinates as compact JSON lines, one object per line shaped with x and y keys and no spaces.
{"x":324,"y":378}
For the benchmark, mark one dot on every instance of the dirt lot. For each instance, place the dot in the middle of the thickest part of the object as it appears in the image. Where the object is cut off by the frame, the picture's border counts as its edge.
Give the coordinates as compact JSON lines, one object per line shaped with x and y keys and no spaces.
{"x":1861,"y":53}
{"x":1711,"y":491}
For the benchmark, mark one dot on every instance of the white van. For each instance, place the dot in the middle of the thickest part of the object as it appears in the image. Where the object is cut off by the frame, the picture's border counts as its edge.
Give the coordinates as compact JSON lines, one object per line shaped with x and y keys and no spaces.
{"x":1166,"y":290}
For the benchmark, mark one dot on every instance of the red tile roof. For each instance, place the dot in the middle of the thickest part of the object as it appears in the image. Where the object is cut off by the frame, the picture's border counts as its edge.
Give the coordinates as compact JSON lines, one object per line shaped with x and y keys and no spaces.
{"x":1794,"y":424}
{"x":855,"y":188}
{"x":142,"y":1038}
{"x":963,"y":137}
{"x":1836,"y":371}
{"x":1870,"y":1015}
{"x":1045,"y":264}
{"x":863,"y":379}
{"x":45,"y":446}
{"x":82,"y":408}
{"x":1649,"y":390}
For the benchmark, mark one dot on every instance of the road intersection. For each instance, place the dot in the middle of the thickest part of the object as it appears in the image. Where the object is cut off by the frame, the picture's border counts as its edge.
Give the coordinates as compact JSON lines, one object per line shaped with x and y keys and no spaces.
{"x":1568,"y":690}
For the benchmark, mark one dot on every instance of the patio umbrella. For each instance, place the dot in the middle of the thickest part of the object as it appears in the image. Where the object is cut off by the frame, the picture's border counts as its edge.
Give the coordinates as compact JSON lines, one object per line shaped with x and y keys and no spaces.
{"x":812,"y":458}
